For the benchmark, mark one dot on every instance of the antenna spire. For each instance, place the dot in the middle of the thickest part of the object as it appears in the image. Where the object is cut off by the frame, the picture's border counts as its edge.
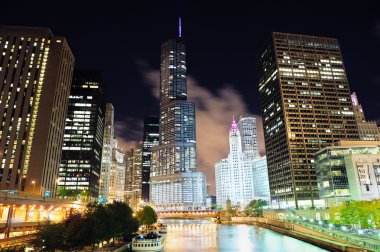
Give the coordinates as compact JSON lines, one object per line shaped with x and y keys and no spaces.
{"x":233,"y":124}
{"x":179,"y":27}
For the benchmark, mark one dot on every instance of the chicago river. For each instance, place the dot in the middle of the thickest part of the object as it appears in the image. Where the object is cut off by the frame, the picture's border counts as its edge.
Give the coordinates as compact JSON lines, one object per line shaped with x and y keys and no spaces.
{"x":203,"y":235}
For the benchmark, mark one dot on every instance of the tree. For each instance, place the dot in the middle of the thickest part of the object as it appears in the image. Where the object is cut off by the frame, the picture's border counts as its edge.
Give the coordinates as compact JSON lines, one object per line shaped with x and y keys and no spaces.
{"x":76,"y":239}
{"x":121,"y":217}
{"x":255,"y":207}
{"x":62,"y":191}
{"x":357,"y":213}
{"x":146,"y":216}
{"x":84,"y":195}
{"x":97,"y":224}
{"x":50,"y":237}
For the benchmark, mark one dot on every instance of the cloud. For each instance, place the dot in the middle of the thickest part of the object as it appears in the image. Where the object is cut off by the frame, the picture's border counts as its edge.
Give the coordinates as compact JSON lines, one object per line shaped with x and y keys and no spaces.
{"x":151,"y":77}
{"x":214,"y":115}
{"x":128,"y":133}
{"x":214,"y":111}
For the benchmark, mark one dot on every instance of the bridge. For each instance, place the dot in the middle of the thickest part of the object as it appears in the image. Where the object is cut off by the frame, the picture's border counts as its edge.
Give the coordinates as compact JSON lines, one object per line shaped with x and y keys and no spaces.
{"x":196,"y":214}
{"x":21,"y":215}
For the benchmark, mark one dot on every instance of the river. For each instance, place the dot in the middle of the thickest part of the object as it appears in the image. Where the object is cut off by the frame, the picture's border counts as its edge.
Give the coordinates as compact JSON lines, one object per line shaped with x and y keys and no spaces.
{"x":203,"y":235}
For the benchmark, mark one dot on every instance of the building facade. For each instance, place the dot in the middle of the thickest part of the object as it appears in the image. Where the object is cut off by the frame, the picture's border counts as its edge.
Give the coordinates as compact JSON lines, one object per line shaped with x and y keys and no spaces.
{"x":234,"y":175}
{"x":105,"y":171}
{"x":248,"y":133}
{"x":133,"y":175}
{"x":260,"y":178}
{"x":363,"y":173}
{"x":83,"y":138}
{"x":150,"y":140}
{"x":368,"y":130}
{"x":348,"y":170}
{"x":117,"y":175}
{"x":306,"y":105}
{"x":175,"y":183}
{"x":35,"y":77}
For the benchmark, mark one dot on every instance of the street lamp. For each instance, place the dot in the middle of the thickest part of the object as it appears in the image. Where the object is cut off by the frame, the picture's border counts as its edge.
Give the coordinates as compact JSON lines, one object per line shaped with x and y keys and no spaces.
{"x":34,"y":185}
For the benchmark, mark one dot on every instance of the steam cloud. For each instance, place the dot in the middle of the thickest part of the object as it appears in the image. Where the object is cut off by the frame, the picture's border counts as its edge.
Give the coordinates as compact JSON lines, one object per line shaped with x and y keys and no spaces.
{"x":214,"y":113}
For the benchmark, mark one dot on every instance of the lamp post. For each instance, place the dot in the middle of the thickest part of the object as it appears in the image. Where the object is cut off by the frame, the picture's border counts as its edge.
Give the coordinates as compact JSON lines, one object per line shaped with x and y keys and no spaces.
{"x":34,"y":185}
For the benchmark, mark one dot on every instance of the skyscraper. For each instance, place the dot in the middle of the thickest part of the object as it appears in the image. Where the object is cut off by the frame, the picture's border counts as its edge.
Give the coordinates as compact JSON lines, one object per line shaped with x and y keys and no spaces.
{"x":117,"y":175}
{"x":108,"y":136}
{"x":306,"y":105}
{"x":83,"y":138}
{"x":248,"y":132}
{"x":150,"y":139}
{"x":368,"y":130}
{"x":234,"y":174}
{"x":175,"y":184}
{"x":260,"y":178}
{"x":35,"y":76}
{"x":133,"y":175}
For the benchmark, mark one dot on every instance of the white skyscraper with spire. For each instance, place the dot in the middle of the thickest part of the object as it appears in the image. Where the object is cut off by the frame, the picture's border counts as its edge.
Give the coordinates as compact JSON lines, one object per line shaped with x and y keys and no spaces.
{"x":234,"y":177}
{"x":243,"y":175}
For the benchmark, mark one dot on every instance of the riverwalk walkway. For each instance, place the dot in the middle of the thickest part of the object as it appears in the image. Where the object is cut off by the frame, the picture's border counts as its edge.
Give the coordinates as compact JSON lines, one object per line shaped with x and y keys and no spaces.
{"x":333,"y":240}
{"x":360,"y":240}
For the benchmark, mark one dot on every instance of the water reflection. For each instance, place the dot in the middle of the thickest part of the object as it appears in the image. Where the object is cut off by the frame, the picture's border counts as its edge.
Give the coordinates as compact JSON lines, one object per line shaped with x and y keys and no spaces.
{"x":190,"y":235}
{"x":198,"y":235}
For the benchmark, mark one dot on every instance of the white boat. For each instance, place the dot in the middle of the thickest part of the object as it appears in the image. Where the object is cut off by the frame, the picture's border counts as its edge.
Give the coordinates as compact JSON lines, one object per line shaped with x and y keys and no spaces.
{"x":151,"y":241}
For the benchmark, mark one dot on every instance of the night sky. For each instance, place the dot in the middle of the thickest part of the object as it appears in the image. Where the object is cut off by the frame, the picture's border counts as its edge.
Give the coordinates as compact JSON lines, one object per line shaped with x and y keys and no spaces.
{"x":222,"y":38}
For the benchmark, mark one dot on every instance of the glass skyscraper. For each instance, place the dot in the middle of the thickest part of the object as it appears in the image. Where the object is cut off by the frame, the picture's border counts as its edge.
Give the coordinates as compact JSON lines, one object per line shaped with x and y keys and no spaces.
{"x":248,"y":133}
{"x":83,"y":138}
{"x":306,"y":105}
{"x":150,"y":139}
{"x":260,"y":178}
{"x":175,"y":184}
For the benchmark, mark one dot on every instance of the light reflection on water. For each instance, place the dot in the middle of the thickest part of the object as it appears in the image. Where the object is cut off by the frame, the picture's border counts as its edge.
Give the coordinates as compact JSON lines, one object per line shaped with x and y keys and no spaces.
{"x":202,"y":235}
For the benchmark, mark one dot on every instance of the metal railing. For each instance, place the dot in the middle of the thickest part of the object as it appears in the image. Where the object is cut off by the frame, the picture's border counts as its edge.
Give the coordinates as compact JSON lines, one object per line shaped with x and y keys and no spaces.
{"x":337,"y":234}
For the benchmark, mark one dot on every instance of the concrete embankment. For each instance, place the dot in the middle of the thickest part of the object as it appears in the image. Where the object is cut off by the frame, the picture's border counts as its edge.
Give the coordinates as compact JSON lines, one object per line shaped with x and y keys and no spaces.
{"x":301,"y":233}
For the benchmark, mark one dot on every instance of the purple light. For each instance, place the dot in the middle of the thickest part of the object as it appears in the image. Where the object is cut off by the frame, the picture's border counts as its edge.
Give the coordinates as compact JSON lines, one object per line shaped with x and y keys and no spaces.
{"x":179,"y":28}
{"x":354,"y":99}
{"x":233,"y":125}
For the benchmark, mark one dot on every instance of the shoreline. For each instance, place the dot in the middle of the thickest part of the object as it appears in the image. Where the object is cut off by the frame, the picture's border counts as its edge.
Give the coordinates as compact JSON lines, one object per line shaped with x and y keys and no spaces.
{"x":317,"y":239}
